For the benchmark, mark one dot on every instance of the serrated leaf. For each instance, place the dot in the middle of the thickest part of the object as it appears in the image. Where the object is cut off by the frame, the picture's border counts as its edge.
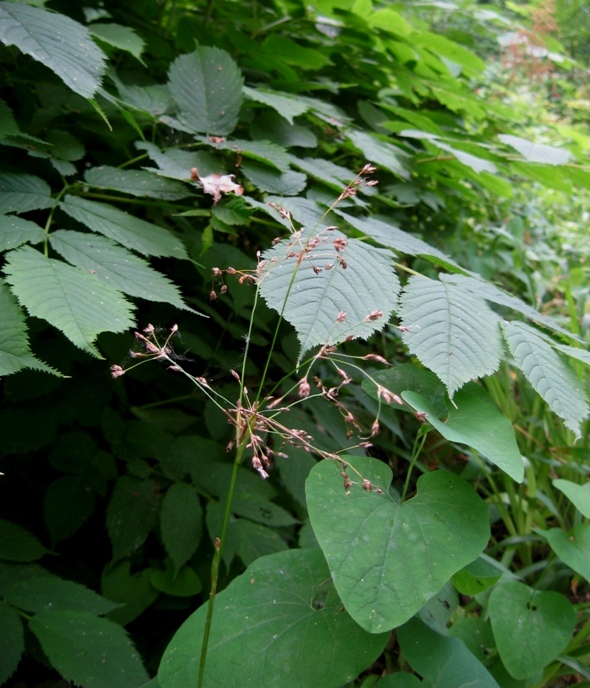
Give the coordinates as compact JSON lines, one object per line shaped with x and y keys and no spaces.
{"x":270,"y":126}
{"x":207,"y":85}
{"x":20,"y":193}
{"x":118,"y":36}
{"x":287,"y":183}
{"x":55,"y":40}
{"x":137,"y":183}
{"x":262,"y":151}
{"x":536,"y":152}
{"x":388,"y":559}
{"x":115,"y":266}
{"x":133,"y":592}
{"x":8,"y":124}
{"x":476,"y":421}
{"x":15,"y":353}
{"x":70,"y":299}
{"x":34,"y":589}
{"x":281,"y":623}
{"x":89,"y":651}
{"x":260,"y":510}
{"x":379,"y":151}
{"x":579,"y":495}
{"x":132,"y":232}
{"x":17,"y":544}
{"x":365,"y":291}
{"x":131,"y":515}
{"x":181,"y":523}
{"x":451,"y":331}
{"x":286,"y":105}
{"x":177,"y":164}
{"x":325,"y":171}
{"x":548,"y":373}
{"x":12,"y":641}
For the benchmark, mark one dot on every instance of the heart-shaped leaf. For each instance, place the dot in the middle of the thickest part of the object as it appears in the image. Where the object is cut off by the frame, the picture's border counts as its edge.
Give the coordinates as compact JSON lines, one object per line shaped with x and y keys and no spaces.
{"x":530,"y":627}
{"x":388,"y":559}
{"x":579,"y":495}
{"x":572,"y":548}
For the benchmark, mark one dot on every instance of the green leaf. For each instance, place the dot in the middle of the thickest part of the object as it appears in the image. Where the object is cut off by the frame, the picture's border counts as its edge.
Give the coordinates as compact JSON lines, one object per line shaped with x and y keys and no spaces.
{"x":133,"y":592}
{"x":279,"y":47}
{"x":476,"y":577}
{"x":441,"y":46}
{"x":255,"y":540}
{"x":69,"y":502}
{"x":34,"y":589}
{"x":261,"y":151}
{"x":388,"y":559}
{"x":115,"y":266}
{"x":287,"y":183}
{"x":137,"y":183}
{"x":579,"y":495}
{"x":325,"y":171}
{"x":89,"y":651}
{"x":286,"y":105}
{"x":178,"y":583}
{"x":207,"y":85}
{"x":262,"y":511}
{"x":400,"y":679}
{"x":445,"y":661}
{"x":572,"y":547}
{"x":530,"y":627}
{"x":17,"y":544}
{"x":389,"y":20}
{"x":132,"y":514}
{"x":536,"y":152}
{"x":353,"y":298}
{"x":132,"y":232}
{"x":118,"y":36}
{"x":8,"y":124}
{"x":177,"y":164}
{"x":77,"y":303}
{"x":56,"y":41}
{"x":476,"y":421}
{"x":15,"y":353}
{"x":451,"y":331}
{"x":548,"y":373}
{"x":278,"y":624}
{"x":12,"y":641}
{"x":20,"y":193}
{"x":270,"y":126}
{"x":181,"y":523}
{"x":379,"y":151}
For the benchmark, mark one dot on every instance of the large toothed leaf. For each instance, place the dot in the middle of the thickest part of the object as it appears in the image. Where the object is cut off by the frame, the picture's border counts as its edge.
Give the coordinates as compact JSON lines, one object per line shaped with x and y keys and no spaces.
{"x":287,"y":106}
{"x":22,"y":192}
{"x":15,"y":231}
{"x":536,"y":152}
{"x":116,"y":266}
{"x":137,"y":183}
{"x":207,"y":85}
{"x":266,"y":178}
{"x":72,"y":300}
{"x":379,"y":151}
{"x":119,"y":36}
{"x":548,"y":373}
{"x":12,"y":641}
{"x":364,"y":287}
{"x":57,"y":41}
{"x":15,"y":353}
{"x":451,"y":331}
{"x":132,"y":232}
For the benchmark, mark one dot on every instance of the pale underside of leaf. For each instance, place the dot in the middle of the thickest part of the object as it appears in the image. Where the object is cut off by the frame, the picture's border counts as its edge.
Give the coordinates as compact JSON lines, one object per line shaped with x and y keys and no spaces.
{"x":57,"y":41}
{"x":22,"y":192}
{"x":286,"y":105}
{"x":451,"y":331}
{"x":72,"y":300}
{"x":137,"y":183}
{"x":15,"y":231}
{"x":536,"y":152}
{"x":548,"y":373}
{"x":365,"y":291}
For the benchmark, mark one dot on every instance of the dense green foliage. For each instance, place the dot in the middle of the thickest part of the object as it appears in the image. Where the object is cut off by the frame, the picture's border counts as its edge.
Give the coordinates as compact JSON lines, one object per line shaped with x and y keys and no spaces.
{"x":350,"y":237}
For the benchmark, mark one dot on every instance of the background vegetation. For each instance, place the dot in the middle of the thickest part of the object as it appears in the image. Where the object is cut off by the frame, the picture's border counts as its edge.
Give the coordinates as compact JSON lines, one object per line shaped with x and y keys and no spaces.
{"x":415,"y":388}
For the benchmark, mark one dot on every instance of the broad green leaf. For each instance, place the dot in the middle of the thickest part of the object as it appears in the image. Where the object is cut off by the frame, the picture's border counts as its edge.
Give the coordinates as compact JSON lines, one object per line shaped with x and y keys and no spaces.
{"x":389,"y":20}
{"x":15,"y":353}
{"x":400,"y":679}
{"x":279,"y":47}
{"x":332,"y":290}
{"x":572,"y":548}
{"x":134,"y":592}
{"x":286,"y":105}
{"x":178,"y":582}
{"x":69,"y":502}
{"x":137,"y":183}
{"x":132,"y":232}
{"x":177,"y":164}
{"x":325,"y":171}
{"x":573,"y":352}
{"x":207,"y":85}
{"x":75,"y":302}
{"x":255,"y":540}
{"x":476,"y":577}
{"x":579,"y":495}
{"x":445,"y":661}
{"x":262,"y":511}
{"x":452,"y":332}
{"x":280,"y":623}
{"x":548,"y":373}
{"x":530,"y":627}
{"x":89,"y":651}
{"x":287,"y":183}
{"x":388,"y":559}
{"x":443,"y":47}
{"x":132,"y":513}
{"x":270,"y":126}
{"x":12,"y":641}
{"x":536,"y":152}
{"x":379,"y":151}
{"x":20,"y":193}
{"x":115,"y":266}
{"x":60,"y":43}
{"x":181,"y":523}
{"x":118,"y":36}
{"x":475,"y":420}
{"x":34,"y":589}
{"x":261,"y":151}
{"x":8,"y":123}
{"x":17,"y":544}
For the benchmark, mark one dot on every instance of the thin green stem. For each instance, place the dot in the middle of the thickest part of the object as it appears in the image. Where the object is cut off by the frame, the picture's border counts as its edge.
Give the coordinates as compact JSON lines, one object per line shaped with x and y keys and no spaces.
{"x":416,"y":451}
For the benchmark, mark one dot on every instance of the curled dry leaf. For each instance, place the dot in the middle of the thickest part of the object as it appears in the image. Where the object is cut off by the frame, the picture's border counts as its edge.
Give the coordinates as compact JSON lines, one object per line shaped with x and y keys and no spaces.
{"x":217,"y":184}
